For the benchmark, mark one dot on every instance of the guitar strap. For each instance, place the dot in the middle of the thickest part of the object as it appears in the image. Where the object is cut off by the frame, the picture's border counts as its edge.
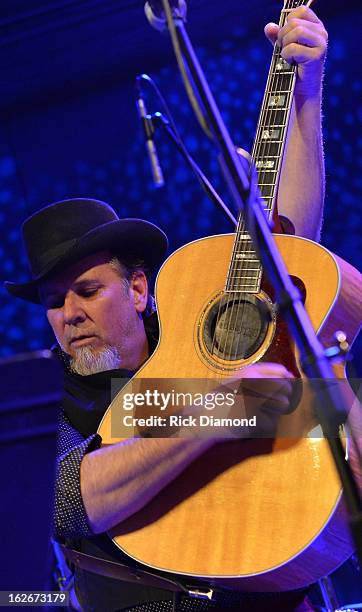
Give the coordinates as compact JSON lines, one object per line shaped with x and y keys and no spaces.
{"x":110,"y":569}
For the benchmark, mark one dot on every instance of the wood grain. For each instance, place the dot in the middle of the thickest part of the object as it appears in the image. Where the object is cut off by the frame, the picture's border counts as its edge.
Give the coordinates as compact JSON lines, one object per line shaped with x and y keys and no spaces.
{"x":255,"y":514}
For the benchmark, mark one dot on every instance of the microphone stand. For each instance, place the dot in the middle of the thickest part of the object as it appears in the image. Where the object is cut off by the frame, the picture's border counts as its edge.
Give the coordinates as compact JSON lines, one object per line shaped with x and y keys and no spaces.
{"x":331,"y":407}
{"x":157,"y":119}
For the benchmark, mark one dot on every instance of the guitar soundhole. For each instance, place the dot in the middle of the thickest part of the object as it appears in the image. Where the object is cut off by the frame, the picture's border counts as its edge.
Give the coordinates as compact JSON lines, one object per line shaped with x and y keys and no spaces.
{"x":236,"y":327}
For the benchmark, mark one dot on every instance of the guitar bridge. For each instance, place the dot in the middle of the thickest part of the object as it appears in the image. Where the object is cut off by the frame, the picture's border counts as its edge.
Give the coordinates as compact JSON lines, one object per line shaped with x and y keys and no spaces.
{"x":200,"y":593}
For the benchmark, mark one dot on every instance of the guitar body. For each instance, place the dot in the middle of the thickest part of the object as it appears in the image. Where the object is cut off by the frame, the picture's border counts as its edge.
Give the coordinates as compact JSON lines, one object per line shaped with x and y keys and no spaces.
{"x":260,"y":515}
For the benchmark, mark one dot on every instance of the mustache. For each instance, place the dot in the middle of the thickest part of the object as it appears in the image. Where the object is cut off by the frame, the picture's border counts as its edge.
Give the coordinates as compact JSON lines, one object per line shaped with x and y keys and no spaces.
{"x":75,"y":334}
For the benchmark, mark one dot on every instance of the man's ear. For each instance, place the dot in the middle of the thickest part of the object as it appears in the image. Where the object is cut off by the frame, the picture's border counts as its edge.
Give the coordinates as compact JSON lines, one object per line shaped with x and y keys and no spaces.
{"x":139,"y":290}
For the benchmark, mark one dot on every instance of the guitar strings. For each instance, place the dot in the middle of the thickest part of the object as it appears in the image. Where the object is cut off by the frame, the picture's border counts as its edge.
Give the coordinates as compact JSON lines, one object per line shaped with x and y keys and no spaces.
{"x":278,"y":81}
{"x":248,"y":273}
{"x":252,"y":273}
{"x":230,"y":301}
{"x":281,"y":82}
{"x":228,"y":305}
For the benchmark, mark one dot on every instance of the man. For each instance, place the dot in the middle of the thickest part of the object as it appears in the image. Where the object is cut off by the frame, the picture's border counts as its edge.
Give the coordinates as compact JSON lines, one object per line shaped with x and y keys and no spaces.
{"x":90,"y":271}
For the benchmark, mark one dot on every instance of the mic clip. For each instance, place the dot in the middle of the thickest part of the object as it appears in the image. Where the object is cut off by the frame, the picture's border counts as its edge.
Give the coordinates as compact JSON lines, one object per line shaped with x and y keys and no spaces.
{"x":150,"y":122}
{"x":156,"y":16}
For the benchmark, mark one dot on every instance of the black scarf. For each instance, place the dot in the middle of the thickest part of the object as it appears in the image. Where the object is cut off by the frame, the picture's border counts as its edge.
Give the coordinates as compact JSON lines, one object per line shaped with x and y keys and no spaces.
{"x":86,"y":398}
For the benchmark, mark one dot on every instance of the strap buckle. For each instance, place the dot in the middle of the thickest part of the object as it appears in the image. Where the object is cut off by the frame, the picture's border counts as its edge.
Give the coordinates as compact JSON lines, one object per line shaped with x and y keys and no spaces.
{"x":200,"y":593}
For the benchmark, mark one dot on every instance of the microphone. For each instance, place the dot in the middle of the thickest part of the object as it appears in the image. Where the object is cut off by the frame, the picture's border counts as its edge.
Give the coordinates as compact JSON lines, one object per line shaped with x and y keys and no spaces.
{"x":156,"y":170}
{"x":156,"y":15}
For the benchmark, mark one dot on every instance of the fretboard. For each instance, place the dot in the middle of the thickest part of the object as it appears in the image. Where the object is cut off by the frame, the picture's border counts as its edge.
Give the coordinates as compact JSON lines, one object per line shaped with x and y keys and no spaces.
{"x":245,"y":269}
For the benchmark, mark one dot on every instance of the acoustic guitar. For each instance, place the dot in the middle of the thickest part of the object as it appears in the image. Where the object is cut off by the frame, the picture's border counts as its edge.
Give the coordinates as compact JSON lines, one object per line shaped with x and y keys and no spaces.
{"x":255,"y":514}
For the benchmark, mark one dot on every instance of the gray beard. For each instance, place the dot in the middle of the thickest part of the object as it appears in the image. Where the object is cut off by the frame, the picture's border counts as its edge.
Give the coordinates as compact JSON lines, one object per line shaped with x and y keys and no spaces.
{"x":88,"y":361}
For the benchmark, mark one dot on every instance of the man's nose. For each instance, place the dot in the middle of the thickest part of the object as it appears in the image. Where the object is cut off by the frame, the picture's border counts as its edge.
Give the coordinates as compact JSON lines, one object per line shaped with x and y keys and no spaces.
{"x":73,"y":311}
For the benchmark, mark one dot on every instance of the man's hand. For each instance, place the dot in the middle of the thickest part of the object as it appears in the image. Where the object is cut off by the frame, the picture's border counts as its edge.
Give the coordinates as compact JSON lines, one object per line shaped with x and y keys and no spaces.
{"x":262,"y":391}
{"x":268,"y":387}
{"x":266,"y":391}
{"x":303,"y":40}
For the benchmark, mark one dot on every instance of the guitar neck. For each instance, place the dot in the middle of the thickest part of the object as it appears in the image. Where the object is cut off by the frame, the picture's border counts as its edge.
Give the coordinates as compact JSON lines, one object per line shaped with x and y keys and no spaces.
{"x":269,"y":144}
{"x":267,"y":154}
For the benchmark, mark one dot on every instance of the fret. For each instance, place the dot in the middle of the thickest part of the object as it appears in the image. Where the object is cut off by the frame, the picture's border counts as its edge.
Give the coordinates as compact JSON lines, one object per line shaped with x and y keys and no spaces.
{"x":251,"y":289}
{"x":279,"y":71}
{"x":243,"y":290}
{"x":269,"y":149}
{"x":266,"y":161}
{"x":269,"y":176}
{"x":270,"y":157}
{"x":282,"y":82}
{"x":247,"y":261}
{"x":267,"y":189}
{"x":243,"y":265}
{"x":243,"y":262}
{"x":274,"y":116}
{"x":246,"y":277}
{"x":242,"y":256}
{"x":287,"y":91}
{"x":246,"y":280}
{"x":244,"y":250}
{"x":282,"y":125}
{"x":251,"y":252}
{"x":240,"y":264}
{"x":269,"y":145}
{"x":249,"y":286}
{"x":277,"y":108}
{"x":281,"y":85}
{"x":239,"y":283}
{"x":240,"y":260}
{"x":240,"y":274}
{"x":281,"y":66}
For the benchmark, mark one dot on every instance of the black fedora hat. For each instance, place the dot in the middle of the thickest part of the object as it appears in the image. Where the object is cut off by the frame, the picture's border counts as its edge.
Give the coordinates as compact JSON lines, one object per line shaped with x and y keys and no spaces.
{"x":64,"y":232}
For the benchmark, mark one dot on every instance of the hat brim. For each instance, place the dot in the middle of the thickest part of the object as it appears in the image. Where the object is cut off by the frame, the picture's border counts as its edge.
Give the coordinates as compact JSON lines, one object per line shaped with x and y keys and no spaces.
{"x":130,"y":239}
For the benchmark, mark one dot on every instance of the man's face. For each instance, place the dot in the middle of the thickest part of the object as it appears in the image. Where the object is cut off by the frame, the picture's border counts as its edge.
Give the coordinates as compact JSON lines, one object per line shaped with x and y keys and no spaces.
{"x":96,"y":316}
